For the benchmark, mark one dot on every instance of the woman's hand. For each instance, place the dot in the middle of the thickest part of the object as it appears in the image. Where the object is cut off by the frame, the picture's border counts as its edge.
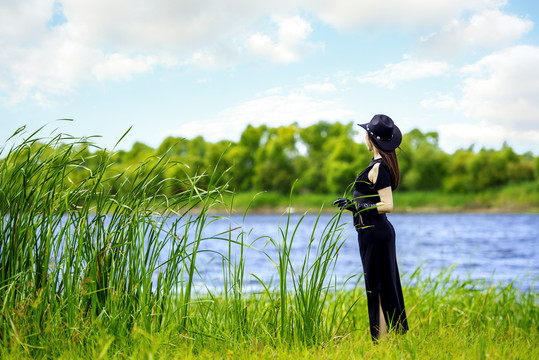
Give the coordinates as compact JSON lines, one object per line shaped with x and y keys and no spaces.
{"x":345,"y":204}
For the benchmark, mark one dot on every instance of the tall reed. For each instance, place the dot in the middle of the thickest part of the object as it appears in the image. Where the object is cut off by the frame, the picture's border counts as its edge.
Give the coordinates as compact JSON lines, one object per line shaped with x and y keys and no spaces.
{"x":106,"y":250}
{"x":82,"y":250}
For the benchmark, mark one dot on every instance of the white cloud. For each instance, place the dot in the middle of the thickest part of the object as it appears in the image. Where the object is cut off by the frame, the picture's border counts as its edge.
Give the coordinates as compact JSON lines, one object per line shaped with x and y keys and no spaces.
{"x":41,"y":59}
{"x":321,"y":88}
{"x":161,"y":25}
{"x":114,"y":40}
{"x":119,"y":67}
{"x":411,"y":14}
{"x":441,"y":101}
{"x":286,"y":109}
{"x":503,"y":87}
{"x":484,"y":134}
{"x":274,"y":91}
{"x":51,"y":67}
{"x":215,"y":57}
{"x":272,"y":110}
{"x":408,"y":69}
{"x":489,"y":29}
{"x":24,"y":21}
{"x":499,"y":99}
{"x":290,"y":44}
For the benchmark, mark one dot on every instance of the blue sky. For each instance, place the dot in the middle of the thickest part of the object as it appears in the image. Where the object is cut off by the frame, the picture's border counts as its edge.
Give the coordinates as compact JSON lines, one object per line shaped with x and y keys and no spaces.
{"x":467,"y":69}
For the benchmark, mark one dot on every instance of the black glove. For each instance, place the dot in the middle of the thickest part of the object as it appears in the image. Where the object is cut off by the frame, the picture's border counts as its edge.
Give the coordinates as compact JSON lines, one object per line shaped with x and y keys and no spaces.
{"x":345,"y":204}
{"x":364,"y":208}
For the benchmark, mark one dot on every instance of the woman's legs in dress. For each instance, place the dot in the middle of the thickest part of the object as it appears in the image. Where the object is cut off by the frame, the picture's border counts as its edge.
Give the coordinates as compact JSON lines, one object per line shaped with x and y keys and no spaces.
{"x":382,"y":331}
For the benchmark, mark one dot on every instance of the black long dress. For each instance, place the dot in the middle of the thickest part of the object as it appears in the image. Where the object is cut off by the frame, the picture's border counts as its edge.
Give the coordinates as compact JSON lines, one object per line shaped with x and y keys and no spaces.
{"x":376,"y":237}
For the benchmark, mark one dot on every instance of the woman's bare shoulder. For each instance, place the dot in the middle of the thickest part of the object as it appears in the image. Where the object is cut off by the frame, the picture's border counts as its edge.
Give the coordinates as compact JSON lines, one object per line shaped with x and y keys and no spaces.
{"x":373,"y":173}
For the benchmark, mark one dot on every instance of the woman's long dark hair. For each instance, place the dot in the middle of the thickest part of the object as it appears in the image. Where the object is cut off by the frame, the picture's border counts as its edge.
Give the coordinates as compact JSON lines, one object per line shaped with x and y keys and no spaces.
{"x":390,"y":158}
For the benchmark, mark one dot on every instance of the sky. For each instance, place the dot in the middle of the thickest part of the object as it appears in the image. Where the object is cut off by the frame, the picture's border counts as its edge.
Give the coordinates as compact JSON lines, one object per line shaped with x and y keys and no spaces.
{"x":467,"y":69}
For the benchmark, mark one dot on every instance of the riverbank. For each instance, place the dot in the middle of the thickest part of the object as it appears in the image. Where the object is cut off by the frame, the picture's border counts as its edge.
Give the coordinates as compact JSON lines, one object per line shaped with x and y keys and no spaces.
{"x":518,"y":198}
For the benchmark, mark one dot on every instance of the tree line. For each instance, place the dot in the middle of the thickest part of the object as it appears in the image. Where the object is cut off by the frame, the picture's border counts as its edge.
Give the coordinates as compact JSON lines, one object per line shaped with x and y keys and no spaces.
{"x":321,"y":158}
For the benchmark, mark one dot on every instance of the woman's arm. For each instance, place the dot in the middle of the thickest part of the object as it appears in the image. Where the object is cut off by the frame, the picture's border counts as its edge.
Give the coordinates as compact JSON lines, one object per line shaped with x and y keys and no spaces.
{"x":386,"y":194}
{"x":386,"y":200}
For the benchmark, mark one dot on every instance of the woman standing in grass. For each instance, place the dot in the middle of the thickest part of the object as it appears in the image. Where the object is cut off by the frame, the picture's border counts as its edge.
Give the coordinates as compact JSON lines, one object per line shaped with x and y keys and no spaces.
{"x":373,"y":198}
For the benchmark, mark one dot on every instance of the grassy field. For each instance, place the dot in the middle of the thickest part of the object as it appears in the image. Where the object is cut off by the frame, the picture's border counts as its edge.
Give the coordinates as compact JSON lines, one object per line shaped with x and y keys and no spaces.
{"x":83,"y":274}
{"x":448,"y":320}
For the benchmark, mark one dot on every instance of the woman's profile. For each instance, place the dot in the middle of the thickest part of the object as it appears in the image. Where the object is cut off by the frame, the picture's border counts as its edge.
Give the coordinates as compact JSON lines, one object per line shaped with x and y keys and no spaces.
{"x":372,"y":199}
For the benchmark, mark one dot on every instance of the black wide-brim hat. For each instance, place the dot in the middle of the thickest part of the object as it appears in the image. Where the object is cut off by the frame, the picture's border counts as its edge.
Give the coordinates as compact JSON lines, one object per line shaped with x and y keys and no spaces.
{"x":384,"y":132}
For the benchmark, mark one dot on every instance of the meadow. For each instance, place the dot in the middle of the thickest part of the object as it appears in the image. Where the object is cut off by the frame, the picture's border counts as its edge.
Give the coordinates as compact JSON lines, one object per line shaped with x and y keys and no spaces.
{"x":82,"y":276}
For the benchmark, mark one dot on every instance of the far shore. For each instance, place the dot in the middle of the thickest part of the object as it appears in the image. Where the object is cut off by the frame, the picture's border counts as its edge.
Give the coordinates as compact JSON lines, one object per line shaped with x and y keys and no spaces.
{"x":278,"y":210}
{"x":513,"y":199}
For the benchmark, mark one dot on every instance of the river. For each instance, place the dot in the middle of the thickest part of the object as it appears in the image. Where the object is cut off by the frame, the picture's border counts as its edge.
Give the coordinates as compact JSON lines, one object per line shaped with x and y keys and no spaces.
{"x":496,"y":248}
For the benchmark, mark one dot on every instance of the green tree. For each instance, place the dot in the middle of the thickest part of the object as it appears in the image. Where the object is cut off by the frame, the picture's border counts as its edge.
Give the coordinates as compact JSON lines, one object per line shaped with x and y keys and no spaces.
{"x":138,"y":153}
{"x":241,"y":157}
{"x":491,"y":168}
{"x":346,"y":158}
{"x":217,"y":160}
{"x":424,"y":165}
{"x":274,"y":160}
{"x":313,"y":155}
{"x":173,"y":146}
{"x":459,"y":179}
{"x":323,"y":158}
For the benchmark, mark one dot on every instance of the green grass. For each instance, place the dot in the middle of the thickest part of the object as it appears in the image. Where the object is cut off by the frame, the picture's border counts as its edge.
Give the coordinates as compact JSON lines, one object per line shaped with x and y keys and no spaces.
{"x":523,"y":197}
{"x":81,"y":277}
{"x":448,"y":320}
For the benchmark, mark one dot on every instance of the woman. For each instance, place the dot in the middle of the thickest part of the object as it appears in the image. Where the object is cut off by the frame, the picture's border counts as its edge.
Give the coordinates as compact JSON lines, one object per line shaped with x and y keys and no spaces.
{"x":373,"y":198}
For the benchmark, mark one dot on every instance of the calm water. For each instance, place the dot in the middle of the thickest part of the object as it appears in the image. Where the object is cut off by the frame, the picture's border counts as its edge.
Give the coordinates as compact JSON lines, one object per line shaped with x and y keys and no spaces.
{"x":496,"y":247}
